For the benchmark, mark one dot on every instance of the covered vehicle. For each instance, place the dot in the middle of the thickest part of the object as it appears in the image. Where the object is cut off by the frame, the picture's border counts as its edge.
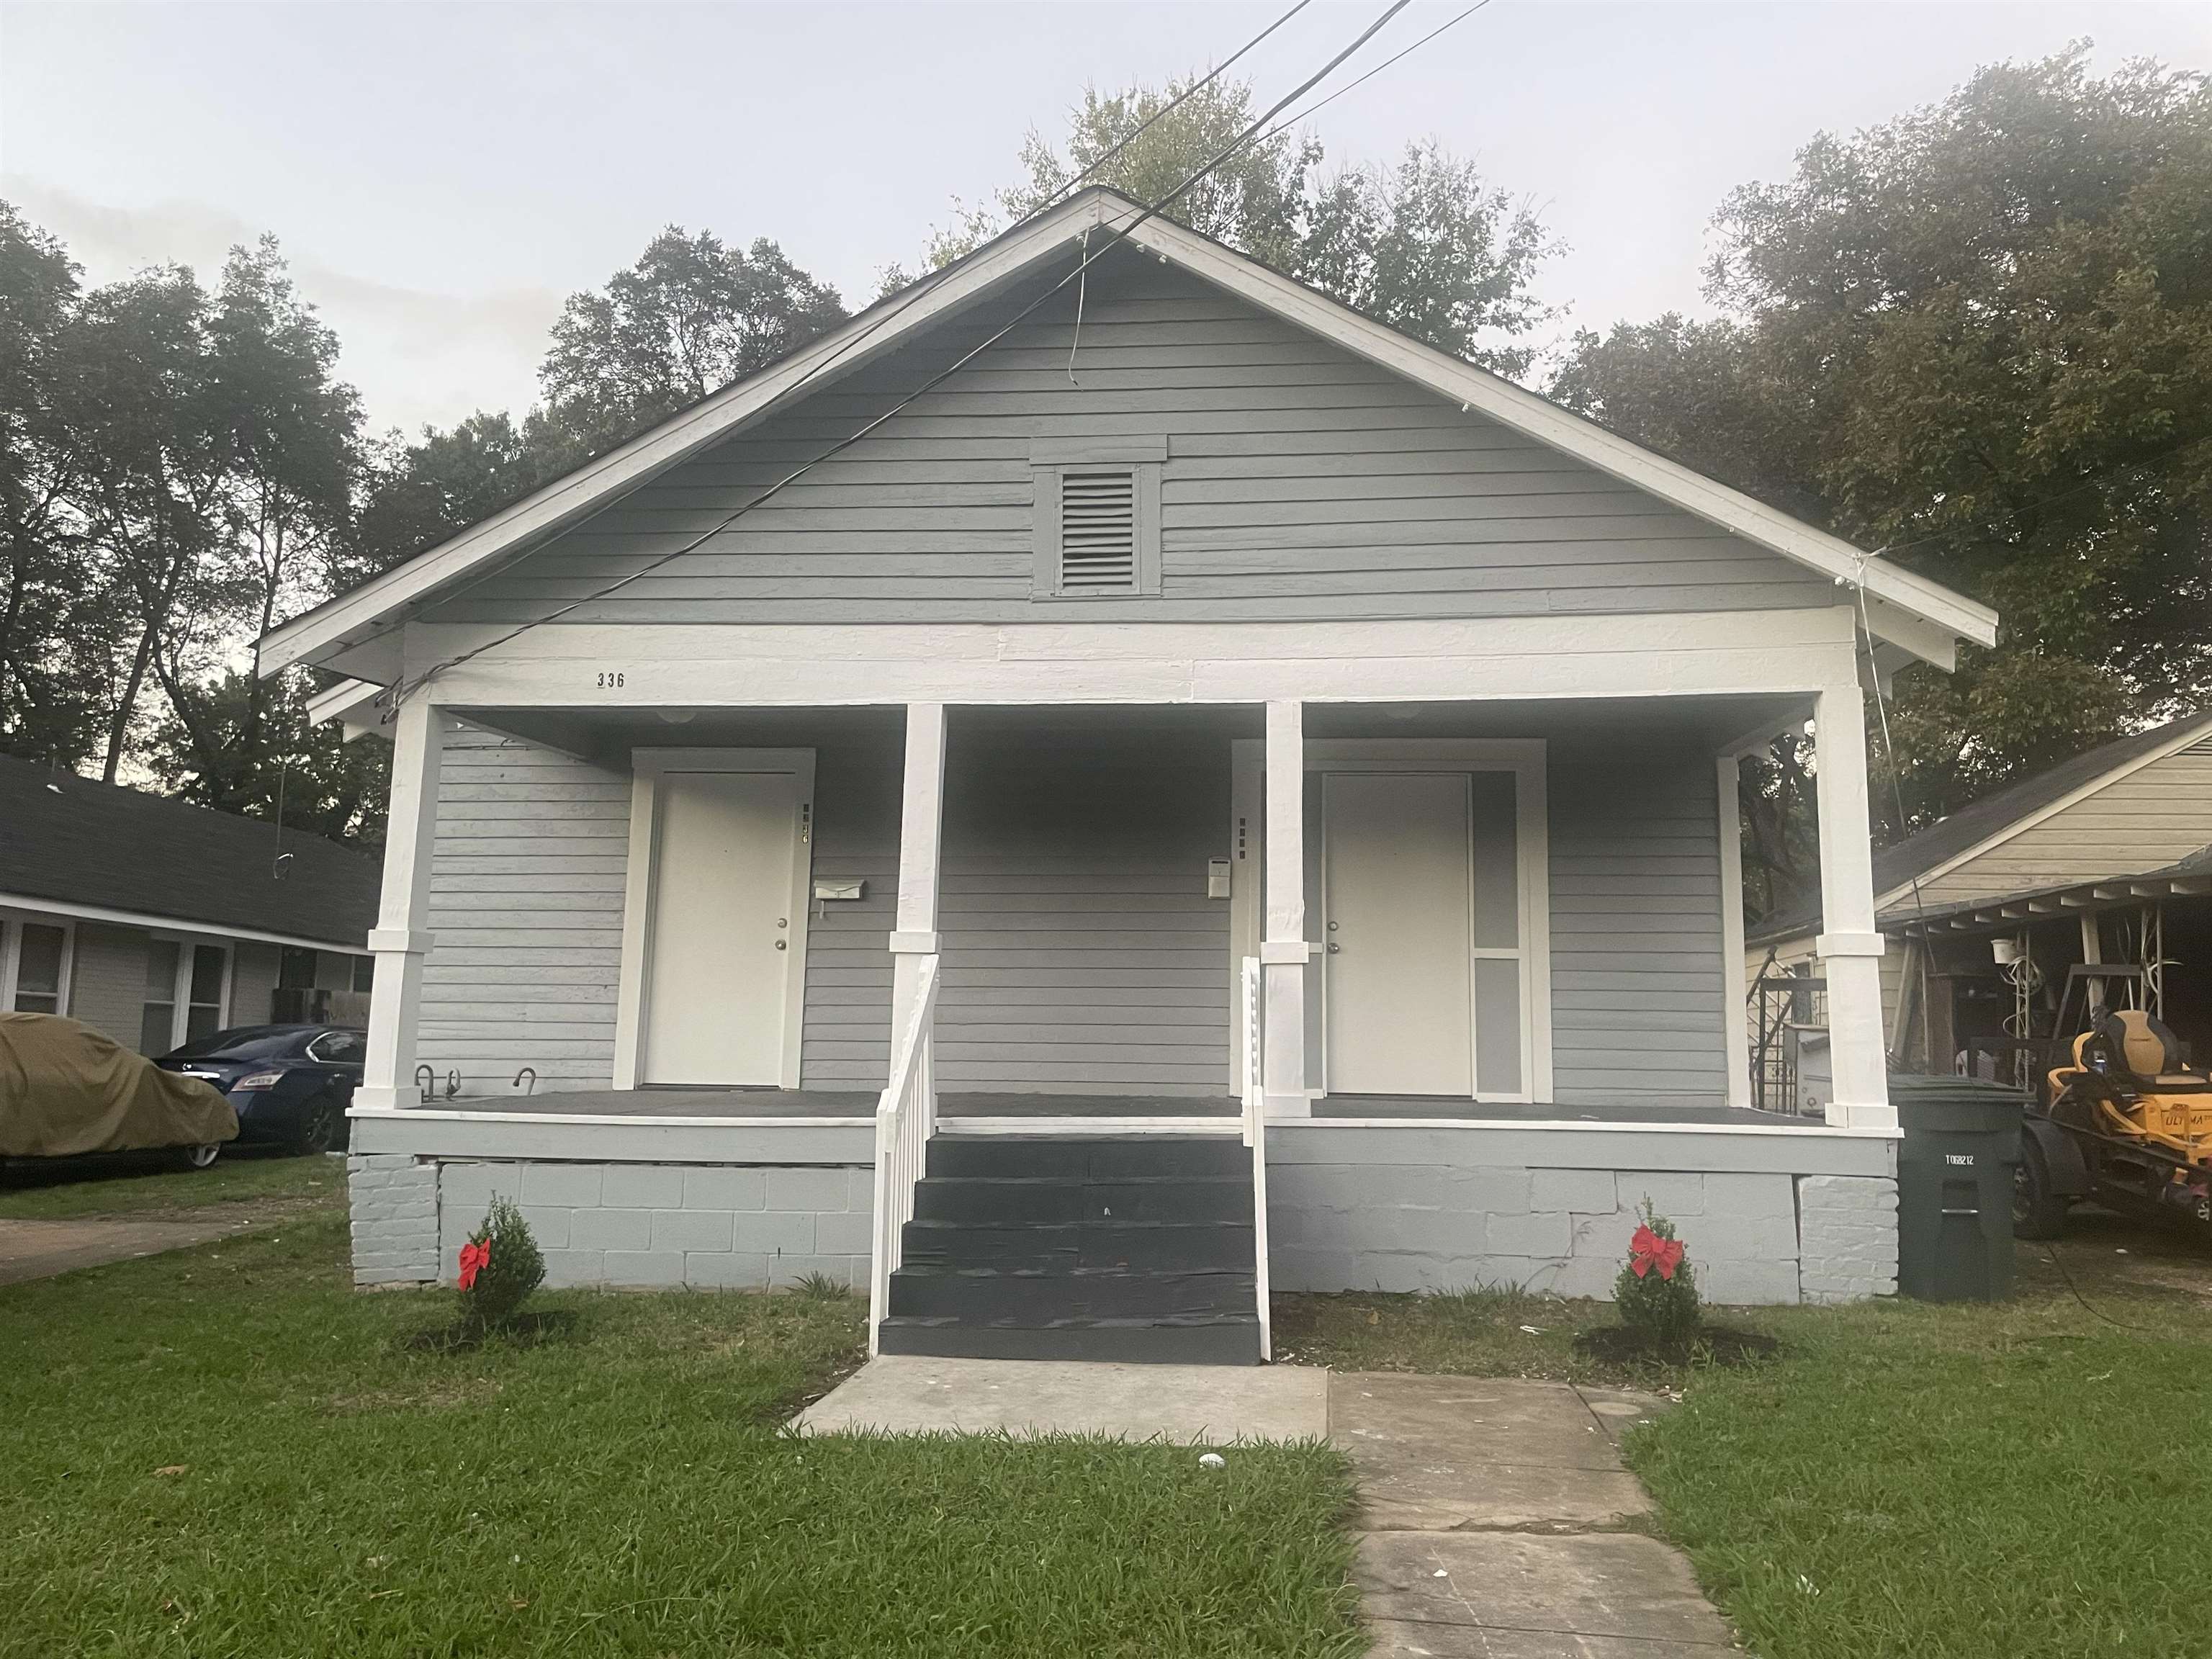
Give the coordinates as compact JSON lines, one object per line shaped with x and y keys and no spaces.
{"x":66,"y":1090}
{"x":290,"y":1084}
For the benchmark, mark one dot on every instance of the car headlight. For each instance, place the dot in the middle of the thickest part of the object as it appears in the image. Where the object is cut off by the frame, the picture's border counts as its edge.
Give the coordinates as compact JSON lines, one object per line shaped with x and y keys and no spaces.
{"x":257,"y":1080}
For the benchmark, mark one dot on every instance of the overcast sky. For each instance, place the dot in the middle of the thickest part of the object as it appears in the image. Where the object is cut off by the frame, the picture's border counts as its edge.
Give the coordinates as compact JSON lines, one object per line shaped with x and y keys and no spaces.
{"x":441,"y":175}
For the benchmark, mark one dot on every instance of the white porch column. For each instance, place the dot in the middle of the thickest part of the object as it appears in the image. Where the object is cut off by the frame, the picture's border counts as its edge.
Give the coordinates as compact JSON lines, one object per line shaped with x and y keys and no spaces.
{"x":1848,"y":946}
{"x":921,"y":817}
{"x":1735,"y":1022}
{"x":398,"y":939}
{"x":1283,"y":949}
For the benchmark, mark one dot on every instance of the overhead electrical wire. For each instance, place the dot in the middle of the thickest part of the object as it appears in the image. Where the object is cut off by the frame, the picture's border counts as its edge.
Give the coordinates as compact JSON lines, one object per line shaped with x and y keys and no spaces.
{"x":400,"y":691}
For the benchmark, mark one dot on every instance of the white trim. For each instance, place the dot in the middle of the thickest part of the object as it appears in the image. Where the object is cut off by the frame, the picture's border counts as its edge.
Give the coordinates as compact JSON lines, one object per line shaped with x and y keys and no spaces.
{"x":12,"y":923}
{"x":683,"y":434}
{"x":1594,"y":1125}
{"x":623,"y":1120}
{"x":2190,"y":733}
{"x":1520,"y":658}
{"x":1223,"y":1127}
{"x":641,"y":886}
{"x":1525,"y":759}
{"x":175,"y":924}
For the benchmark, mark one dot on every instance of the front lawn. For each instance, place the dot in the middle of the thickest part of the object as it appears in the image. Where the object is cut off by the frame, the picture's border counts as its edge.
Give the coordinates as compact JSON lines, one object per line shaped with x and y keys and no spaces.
{"x":145,"y":1183}
{"x":1976,"y":1482}
{"x":227,"y":1451}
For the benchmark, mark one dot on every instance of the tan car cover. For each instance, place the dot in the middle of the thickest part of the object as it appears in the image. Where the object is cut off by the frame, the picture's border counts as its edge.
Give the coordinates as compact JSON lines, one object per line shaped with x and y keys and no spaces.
{"x":64,"y":1088}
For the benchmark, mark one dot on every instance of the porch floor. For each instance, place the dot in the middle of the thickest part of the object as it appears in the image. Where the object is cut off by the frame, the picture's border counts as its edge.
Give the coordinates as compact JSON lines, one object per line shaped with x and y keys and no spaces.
{"x":739,"y":1104}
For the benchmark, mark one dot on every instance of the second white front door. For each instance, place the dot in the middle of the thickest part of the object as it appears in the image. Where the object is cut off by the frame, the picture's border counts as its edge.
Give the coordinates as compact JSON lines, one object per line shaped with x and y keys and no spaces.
{"x":724,"y":950}
{"x":1397,"y":909}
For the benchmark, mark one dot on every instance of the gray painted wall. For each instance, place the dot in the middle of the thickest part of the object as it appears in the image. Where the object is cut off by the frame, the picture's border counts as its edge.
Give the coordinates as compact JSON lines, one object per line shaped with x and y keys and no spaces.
{"x":107,"y":980}
{"x":1081,"y":954}
{"x":1301,"y":481}
{"x":254,"y":966}
{"x":525,"y":906}
{"x":1636,"y":972}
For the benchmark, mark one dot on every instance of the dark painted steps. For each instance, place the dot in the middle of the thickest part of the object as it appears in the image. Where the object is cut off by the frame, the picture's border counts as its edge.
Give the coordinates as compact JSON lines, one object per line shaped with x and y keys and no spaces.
{"x":1079,"y":1248}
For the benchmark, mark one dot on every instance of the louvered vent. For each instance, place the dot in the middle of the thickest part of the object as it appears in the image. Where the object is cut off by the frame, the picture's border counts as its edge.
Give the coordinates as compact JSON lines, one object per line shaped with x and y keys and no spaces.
{"x":1098,"y":529}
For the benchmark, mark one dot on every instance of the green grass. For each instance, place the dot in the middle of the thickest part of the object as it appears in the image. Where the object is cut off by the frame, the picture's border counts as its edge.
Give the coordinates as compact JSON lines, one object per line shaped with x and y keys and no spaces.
{"x":227,"y":1451}
{"x":137,"y":1183}
{"x":1976,"y":1482}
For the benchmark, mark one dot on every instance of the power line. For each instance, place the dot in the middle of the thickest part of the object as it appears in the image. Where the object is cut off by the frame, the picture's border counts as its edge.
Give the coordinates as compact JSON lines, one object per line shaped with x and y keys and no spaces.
{"x":1308,"y":112}
{"x":1122,"y":234}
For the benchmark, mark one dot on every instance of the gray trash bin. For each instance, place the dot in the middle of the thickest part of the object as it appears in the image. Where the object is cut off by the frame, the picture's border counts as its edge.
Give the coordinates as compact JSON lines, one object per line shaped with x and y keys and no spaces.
{"x":1954,"y":1180}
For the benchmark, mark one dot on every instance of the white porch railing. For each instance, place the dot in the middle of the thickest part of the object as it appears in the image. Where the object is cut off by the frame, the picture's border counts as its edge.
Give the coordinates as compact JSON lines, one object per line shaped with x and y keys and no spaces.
{"x":1251,"y":1032}
{"x":906,"y":1117}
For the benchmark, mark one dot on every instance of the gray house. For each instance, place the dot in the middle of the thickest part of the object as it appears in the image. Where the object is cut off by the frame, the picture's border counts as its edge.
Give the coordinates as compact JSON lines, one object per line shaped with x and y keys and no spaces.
{"x":155,"y":921}
{"x":1073,"y":802}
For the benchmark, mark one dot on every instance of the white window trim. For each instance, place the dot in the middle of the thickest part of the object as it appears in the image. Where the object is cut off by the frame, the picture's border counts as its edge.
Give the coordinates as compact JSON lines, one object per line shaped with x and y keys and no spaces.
{"x":641,"y":887}
{"x":11,"y":950}
{"x":180,"y":990}
{"x":1522,"y":757}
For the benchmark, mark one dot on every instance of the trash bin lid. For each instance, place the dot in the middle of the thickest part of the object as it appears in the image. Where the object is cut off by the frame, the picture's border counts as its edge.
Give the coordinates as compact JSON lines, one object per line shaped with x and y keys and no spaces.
{"x":1945,"y":1101}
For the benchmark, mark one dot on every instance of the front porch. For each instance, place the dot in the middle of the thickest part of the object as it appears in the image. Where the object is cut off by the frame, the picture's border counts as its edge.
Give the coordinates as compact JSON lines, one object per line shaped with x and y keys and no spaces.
{"x":1216,"y":929}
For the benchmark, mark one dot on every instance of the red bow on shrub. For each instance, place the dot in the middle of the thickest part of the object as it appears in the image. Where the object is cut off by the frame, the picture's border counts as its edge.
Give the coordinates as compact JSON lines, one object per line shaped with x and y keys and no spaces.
{"x":476,"y":1257}
{"x":1648,"y":1250}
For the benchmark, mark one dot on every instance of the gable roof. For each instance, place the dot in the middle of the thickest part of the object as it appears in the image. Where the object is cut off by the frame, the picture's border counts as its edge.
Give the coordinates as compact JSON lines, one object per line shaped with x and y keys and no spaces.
{"x":95,"y":846}
{"x":1919,"y":616}
{"x":1973,"y":829}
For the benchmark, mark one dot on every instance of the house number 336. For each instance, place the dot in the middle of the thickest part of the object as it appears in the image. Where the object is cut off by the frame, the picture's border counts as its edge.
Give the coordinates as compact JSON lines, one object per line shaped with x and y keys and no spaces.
{"x":611,"y":680}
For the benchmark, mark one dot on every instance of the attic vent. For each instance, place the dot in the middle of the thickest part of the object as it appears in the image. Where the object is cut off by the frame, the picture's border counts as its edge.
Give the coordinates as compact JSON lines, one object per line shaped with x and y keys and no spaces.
{"x":1098,"y":529}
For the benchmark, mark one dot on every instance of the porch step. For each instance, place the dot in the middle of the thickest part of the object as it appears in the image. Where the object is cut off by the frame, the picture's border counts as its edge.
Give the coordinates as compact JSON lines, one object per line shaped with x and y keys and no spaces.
{"x":1056,"y":1247}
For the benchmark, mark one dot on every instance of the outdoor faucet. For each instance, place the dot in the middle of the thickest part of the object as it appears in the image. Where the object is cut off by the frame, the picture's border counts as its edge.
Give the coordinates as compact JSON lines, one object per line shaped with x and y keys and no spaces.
{"x":426,"y":1080}
{"x":531,"y":1087}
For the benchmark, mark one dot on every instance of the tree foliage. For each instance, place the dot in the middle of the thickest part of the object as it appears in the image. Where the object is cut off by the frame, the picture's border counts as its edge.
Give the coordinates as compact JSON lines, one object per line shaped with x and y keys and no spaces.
{"x":1425,"y":245}
{"x":1978,"y":336}
{"x":692,"y":315}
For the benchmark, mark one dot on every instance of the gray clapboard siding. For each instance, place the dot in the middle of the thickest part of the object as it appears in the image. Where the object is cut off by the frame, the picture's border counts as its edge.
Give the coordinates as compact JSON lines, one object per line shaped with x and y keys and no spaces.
{"x":1636,"y":977}
{"x":107,"y":980}
{"x":525,"y":907}
{"x":1081,"y":954}
{"x":1301,"y":483}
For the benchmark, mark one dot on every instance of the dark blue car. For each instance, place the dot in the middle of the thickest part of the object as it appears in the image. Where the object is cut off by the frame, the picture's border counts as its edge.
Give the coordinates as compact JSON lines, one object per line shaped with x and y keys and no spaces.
{"x":290,"y":1084}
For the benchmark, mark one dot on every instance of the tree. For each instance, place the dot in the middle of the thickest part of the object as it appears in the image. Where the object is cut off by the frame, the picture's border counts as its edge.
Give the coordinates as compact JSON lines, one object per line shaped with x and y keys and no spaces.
{"x":413,"y":495}
{"x":689,"y":318}
{"x":1978,"y":336}
{"x":1426,"y":246}
{"x":51,"y":695}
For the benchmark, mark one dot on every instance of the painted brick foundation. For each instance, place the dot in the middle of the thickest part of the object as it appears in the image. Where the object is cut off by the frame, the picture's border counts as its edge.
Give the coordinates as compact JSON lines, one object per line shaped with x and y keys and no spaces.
{"x":628,"y":1224}
{"x":1757,"y":1237}
{"x":1848,"y":1228}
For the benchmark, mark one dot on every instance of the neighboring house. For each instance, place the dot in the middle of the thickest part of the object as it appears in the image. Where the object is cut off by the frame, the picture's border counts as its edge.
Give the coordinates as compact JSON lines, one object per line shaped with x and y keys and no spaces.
{"x":2104,"y":859}
{"x":1225,"y":703}
{"x":155,"y":921}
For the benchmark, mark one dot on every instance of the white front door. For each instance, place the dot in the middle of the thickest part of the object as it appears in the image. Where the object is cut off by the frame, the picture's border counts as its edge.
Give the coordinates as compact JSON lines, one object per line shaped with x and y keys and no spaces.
{"x":1397,"y":909}
{"x":725,"y":941}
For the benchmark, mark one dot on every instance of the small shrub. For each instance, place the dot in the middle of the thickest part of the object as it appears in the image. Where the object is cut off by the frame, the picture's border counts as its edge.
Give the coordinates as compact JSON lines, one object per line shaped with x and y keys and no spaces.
{"x":500,"y":1267}
{"x":1656,"y":1293}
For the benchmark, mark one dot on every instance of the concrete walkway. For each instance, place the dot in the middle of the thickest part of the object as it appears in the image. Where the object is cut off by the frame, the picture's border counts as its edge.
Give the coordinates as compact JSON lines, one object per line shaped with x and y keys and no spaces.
{"x":1490,"y":1518}
{"x":41,"y":1250}
{"x":1187,"y":1405}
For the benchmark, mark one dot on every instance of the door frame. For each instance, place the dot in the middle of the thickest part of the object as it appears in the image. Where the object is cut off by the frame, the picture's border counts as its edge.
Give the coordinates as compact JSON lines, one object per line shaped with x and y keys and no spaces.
{"x":641,"y":887}
{"x":1525,"y":758}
